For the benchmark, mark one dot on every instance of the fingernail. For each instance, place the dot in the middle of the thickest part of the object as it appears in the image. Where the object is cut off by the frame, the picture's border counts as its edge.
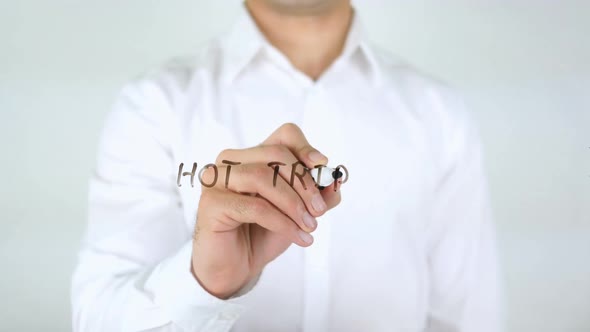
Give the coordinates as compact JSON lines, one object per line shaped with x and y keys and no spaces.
{"x":316,"y":157}
{"x":309,"y":221}
{"x":317,"y":201}
{"x":306,"y":237}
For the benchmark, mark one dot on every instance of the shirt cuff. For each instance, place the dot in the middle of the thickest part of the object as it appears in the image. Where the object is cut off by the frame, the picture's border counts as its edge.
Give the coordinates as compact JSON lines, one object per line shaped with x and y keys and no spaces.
{"x":186,"y":302}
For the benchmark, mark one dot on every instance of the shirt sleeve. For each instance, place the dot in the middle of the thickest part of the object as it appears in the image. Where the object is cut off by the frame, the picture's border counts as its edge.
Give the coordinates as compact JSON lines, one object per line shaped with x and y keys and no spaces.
{"x":465,"y":292}
{"x":134,"y":268}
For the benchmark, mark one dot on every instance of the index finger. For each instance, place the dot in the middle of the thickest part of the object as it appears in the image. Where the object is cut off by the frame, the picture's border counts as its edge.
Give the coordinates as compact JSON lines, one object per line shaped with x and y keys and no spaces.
{"x":291,"y":136}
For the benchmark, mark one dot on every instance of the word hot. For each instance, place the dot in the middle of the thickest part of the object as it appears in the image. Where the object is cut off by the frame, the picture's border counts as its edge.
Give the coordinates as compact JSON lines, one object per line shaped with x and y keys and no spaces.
{"x":338,"y":175}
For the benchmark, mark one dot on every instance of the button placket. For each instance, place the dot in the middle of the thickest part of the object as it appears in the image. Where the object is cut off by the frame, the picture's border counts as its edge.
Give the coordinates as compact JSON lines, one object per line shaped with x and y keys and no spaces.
{"x":316,"y":296}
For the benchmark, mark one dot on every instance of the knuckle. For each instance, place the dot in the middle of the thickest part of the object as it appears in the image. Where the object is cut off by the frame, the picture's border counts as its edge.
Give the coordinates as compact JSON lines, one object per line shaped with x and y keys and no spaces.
{"x":223,"y":155}
{"x":290,"y":128}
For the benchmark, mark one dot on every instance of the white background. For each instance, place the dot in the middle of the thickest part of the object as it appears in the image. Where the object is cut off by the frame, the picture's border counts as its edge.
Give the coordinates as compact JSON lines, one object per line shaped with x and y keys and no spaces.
{"x":523,"y":67}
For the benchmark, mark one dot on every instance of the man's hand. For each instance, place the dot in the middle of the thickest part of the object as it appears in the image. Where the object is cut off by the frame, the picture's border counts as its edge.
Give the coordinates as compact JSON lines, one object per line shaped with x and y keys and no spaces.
{"x":243,"y":227}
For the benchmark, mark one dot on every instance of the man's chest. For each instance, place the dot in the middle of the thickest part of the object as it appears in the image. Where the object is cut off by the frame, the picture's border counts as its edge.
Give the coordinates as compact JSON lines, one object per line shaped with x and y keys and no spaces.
{"x":369,"y":250}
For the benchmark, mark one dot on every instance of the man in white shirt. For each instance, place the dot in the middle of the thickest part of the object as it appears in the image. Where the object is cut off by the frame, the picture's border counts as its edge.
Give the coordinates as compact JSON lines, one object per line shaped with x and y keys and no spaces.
{"x":404,"y":244}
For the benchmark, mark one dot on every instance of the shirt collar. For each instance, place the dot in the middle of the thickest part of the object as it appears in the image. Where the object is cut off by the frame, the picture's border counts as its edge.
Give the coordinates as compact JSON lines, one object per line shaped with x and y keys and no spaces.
{"x":244,"y":41}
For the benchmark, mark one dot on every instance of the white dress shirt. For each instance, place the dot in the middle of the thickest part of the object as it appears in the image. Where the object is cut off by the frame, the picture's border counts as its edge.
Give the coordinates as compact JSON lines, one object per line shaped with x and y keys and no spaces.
{"x":410,"y":247}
